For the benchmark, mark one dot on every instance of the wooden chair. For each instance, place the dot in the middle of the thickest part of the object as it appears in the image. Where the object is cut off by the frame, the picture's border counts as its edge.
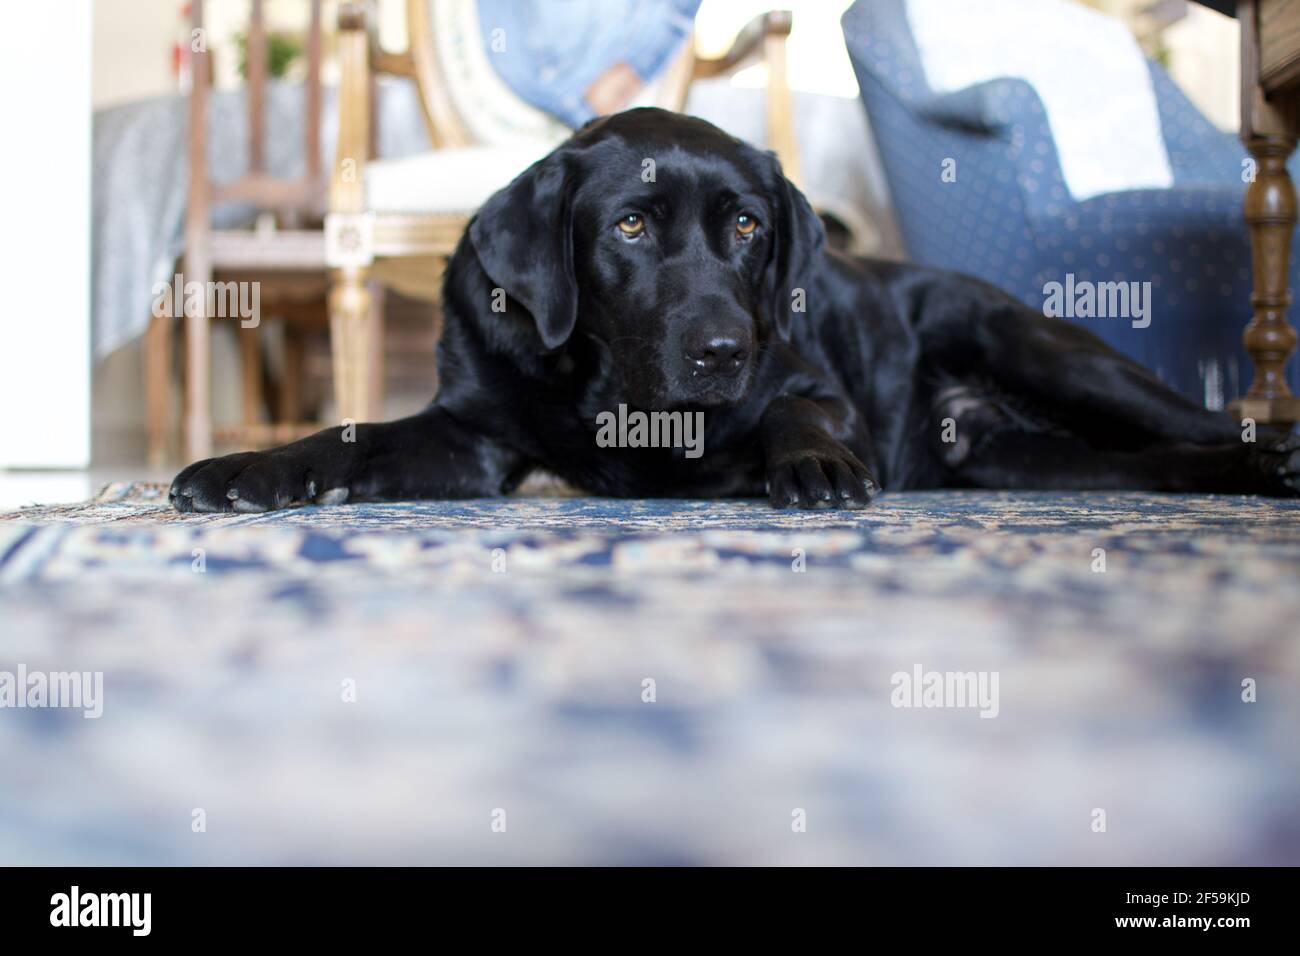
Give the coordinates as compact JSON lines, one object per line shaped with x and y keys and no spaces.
{"x":289,"y":262}
{"x":407,"y":249}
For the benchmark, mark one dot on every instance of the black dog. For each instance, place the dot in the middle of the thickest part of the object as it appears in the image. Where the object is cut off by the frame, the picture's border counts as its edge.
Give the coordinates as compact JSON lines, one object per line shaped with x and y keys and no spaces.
{"x":699,"y":283}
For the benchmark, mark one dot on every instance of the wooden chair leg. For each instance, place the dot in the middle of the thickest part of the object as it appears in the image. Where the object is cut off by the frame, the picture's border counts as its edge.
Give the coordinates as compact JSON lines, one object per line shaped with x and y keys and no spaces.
{"x":157,"y":388}
{"x":198,"y":388}
{"x":351,"y":328}
{"x":289,"y":403}
{"x":250,"y":368}
{"x":376,"y":336}
{"x":196,"y":264}
{"x":780,"y":110}
{"x":198,"y":373}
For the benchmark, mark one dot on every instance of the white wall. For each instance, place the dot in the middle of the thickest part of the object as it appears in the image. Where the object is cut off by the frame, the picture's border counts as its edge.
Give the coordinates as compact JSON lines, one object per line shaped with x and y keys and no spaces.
{"x":132,"y":49}
{"x":1205,"y":60}
{"x":1204,"y":55}
{"x":45,"y":242}
{"x":816,"y":58}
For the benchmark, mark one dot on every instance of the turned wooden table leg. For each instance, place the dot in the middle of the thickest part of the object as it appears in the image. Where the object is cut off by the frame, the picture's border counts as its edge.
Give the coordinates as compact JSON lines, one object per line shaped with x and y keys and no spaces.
{"x":1269,"y":338}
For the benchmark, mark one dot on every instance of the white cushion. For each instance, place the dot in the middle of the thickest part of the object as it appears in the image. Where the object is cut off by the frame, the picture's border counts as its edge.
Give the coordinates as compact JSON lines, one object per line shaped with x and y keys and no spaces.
{"x":1086,"y":67}
{"x":448,"y":181}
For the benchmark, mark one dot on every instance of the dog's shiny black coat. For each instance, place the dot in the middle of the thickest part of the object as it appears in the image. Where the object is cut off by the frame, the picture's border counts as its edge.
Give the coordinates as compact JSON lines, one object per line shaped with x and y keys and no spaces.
{"x":656,"y":262}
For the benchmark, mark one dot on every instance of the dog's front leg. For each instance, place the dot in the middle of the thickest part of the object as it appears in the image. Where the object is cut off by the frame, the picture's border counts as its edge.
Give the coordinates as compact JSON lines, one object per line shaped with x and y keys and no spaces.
{"x":807,"y":465}
{"x":429,"y":455}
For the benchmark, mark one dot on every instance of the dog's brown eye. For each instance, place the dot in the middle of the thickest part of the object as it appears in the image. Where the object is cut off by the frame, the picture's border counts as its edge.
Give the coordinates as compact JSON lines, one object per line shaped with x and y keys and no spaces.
{"x":745,"y":225}
{"x":631,"y":225}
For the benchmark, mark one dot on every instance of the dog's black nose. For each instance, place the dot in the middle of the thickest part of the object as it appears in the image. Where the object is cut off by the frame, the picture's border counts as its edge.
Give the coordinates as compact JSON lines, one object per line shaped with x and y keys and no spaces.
{"x":719,"y":355}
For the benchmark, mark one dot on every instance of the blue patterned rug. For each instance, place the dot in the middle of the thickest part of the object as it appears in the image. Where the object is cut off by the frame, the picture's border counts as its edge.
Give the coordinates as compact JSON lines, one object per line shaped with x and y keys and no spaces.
{"x":579,"y":680}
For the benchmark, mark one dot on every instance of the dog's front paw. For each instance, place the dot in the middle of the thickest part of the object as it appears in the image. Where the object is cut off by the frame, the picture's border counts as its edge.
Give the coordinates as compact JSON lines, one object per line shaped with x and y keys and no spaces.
{"x":250,"y":482}
{"x":830,"y":477}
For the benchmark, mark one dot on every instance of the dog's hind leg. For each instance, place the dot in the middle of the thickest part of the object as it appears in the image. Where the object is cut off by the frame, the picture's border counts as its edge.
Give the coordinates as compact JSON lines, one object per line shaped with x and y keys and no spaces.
{"x":1048,"y":462}
{"x":984,"y":444}
{"x":1064,"y":368}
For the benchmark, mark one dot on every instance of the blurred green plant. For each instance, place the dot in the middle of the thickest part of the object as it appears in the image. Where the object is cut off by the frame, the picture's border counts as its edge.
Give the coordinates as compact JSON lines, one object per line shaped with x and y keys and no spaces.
{"x":281,"y":50}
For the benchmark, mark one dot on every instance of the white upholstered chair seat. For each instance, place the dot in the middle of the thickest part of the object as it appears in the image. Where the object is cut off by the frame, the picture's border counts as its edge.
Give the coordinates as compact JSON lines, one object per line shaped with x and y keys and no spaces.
{"x":447,"y":181}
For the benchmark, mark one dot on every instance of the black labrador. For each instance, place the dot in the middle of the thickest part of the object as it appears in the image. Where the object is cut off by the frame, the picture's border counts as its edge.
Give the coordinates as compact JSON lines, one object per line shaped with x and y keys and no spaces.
{"x":654,"y":262}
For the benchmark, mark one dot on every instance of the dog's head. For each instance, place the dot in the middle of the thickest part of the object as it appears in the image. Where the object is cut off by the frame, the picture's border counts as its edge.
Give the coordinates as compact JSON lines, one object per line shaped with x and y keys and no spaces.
{"x":675,"y":247}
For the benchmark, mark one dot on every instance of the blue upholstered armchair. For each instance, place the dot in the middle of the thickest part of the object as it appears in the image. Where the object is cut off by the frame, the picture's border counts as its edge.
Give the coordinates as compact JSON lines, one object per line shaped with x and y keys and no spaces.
{"x":1010,"y":219}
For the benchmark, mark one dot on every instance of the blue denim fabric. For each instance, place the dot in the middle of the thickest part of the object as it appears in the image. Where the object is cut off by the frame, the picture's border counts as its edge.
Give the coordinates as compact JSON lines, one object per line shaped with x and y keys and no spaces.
{"x":550,"y":51}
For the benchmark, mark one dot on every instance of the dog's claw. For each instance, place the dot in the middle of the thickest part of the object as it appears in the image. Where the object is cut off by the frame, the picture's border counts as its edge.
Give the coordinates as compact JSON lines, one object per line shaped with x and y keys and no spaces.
{"x":826,"y":476}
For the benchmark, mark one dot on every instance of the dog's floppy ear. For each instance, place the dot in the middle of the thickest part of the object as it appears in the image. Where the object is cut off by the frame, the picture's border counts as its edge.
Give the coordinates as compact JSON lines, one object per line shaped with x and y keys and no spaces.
{"x":523,"y":236}
{"x":798,"y":238}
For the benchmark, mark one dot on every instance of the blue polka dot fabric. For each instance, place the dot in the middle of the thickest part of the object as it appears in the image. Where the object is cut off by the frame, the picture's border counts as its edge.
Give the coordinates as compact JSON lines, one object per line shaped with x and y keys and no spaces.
{"x":1003,"y":212}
